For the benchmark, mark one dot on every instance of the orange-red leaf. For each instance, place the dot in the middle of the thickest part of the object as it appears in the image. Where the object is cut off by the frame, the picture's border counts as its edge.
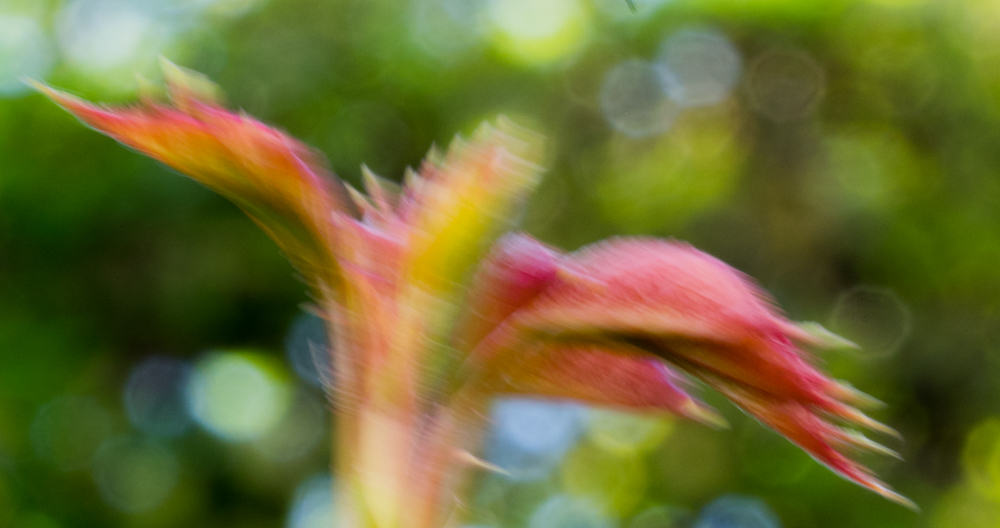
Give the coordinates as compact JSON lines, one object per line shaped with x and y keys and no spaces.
{"x":276,"y":180}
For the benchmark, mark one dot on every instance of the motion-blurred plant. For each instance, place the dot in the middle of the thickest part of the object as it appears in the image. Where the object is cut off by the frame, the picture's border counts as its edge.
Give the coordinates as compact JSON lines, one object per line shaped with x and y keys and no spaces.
{"x":430,"y":322}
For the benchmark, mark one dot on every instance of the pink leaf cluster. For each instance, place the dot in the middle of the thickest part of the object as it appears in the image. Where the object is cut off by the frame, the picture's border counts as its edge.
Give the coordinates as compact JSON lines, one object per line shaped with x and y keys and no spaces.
{"x":434,"y":311}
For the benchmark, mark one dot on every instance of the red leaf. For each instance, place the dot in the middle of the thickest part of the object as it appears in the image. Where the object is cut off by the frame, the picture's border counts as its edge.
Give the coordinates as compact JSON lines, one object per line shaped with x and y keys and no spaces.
{"x":709,"y":321}
{"x":800,"y":424}
{"x":514,"y":273}
{"x":614,"y":376}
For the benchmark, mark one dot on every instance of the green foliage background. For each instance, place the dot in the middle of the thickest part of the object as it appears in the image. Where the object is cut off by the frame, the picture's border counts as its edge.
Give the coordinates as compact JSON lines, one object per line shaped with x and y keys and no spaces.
{"x":881,"y":196}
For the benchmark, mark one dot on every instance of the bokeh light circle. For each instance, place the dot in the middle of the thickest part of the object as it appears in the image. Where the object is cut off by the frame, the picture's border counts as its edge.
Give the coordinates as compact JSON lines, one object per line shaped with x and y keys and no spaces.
{"x":624,"y":432}
{"x":135,"y":474}
{"x":875,"y":318}
{"x":101,"y":35}
{"x":446,"y":29}
{"x":634,"y":99}
{"x":238,"y":396}
{"x":704,"y":63}
{"x":307,"y":348}
{"x":67,"y":431}
{"x":567,"y":511}
{"x":529,"y":437}
{"x":981,"y":458}
{"x":154,"y":396}
{"x":734,"y":511}
{"x":538,"y":32}
{"x":312,"y":504}
{"x":538,"y":426}
{"x":25,"y":52}
{"x":785,"y":85}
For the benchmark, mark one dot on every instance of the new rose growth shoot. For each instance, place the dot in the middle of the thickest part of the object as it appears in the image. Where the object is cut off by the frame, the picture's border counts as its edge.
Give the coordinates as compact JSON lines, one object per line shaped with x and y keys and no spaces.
{"x":434,"y":311}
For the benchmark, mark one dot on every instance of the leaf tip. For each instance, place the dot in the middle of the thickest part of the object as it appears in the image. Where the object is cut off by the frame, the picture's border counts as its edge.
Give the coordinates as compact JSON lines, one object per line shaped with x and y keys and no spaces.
{"x":857,"y":417}
{"x":813,"y":333}
{"x":360,"y":200}
{"x":35,"y":84}
{"x":147,"y":90}
{"x":888,"y":493}
{"x":469,"y":459}
{"x":859,"y":441}
{"x":702,"y":414}
{"x":46,"y":90}
{"x":845,"y":392}
{"x":186,"y":87}
{"x":69,"y":102}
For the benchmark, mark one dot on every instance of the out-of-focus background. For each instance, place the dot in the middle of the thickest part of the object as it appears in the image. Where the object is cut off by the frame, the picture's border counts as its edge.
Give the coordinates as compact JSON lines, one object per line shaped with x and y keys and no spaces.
{"x":156,"y":366}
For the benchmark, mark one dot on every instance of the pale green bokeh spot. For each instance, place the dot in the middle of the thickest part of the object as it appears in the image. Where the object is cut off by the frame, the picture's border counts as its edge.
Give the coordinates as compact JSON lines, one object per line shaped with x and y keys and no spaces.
{"x":135,"y":475}
{"x":239,"y":396}
{"x":616,"y":482}
{"x":663,"y":184}
{"x":67,"y":431}
{"x":539,"y":32}
{"x":624,"y":433}
{"x":981,"y":458}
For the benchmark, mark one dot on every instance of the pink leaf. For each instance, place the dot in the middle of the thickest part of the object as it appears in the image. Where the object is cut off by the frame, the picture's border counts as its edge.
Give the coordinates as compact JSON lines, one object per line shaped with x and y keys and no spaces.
{"x":513,"y":274}
{"x":704,"y":318}
{"x":614,"y":376}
